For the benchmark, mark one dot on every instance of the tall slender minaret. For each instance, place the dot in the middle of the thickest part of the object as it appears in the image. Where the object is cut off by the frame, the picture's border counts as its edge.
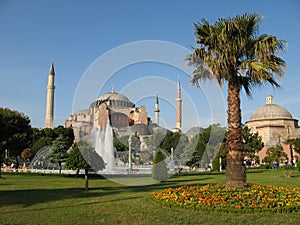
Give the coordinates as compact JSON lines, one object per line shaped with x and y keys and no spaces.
{"x":50,"y":98}
{"x":178,"y":107}
{"x":156,"y":110}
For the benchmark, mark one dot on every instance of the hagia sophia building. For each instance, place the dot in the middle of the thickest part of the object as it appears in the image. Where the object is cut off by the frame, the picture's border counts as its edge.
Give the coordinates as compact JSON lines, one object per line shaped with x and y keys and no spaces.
{"x":273,"y":123}
{"x":125,"y":117}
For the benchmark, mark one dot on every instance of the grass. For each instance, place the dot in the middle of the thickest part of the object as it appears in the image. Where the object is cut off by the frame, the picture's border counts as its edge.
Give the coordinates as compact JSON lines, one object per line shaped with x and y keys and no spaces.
{"x":62,"y":200}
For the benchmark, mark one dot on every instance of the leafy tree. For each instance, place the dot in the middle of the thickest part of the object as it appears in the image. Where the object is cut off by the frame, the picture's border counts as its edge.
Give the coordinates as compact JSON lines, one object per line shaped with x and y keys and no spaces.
{"x":230,"y":50}
{"x":154,"y":141}
{"x":15,"y":133}
{"x":188,"y":155}
{"x":28,"y":153}
{"x":58,"y":153}
{"x":77,"y":161}
{"x":159,"y":168}
{"x":294,"y":145}
{"x":275,"y":154}
{"x":46,"y":136}
{"x":203,"y":147}
{"x":176,"y":140}
{"x":120,"y":145}
{"x":221,"y":153}
{"x":198,"y":146}
{"x":167,"y":141}
{"x":252,"y":143}
{"x":67,"y":133}
{"x":40,"y":143}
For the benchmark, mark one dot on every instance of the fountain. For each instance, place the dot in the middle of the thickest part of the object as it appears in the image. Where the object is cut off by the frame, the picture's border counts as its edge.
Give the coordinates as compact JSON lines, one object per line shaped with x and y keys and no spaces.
{"x":41,"y":160}
{"x":103,"y":140}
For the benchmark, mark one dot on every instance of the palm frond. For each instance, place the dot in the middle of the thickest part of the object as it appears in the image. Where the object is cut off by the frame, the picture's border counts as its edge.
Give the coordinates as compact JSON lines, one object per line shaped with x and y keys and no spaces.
{"x":231,"y":49}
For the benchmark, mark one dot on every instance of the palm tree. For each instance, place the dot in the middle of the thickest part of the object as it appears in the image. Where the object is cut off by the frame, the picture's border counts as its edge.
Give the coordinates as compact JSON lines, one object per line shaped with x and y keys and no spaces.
{"x":231,"y":51}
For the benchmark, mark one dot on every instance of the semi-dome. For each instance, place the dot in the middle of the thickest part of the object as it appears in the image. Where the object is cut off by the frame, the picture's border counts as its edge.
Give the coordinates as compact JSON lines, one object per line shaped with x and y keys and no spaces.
{"x":140,"y":129}
{"x":114,"y":99}
{"x":270,"y":111}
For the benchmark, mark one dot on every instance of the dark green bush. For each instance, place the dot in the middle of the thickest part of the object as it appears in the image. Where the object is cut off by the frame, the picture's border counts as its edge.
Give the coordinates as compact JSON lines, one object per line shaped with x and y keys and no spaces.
{"x":265,"y":166}
{"x":216,"y":164}
{"x":159,"y":168}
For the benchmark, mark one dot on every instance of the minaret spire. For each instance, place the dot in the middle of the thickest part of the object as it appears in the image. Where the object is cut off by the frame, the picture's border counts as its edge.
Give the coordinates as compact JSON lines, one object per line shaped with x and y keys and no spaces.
{"x":49,"y":121}
{"x":51,"y":71}
{"x":178,"y":106}
{"x":156,"y":110}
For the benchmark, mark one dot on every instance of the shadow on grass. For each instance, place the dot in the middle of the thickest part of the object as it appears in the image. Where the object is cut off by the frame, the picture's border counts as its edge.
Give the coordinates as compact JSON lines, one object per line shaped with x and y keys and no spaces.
{"x":28,"y":209}
{"x":30,"y":197}
{"x":163,"y":185}
{"x":37,"y":196}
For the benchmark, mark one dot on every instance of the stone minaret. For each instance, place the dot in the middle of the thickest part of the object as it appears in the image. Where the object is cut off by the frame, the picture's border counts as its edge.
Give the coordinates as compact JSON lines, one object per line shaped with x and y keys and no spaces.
{"x":178,"y":107}
{"x":156,"y":110}
{"x":50,"y":98}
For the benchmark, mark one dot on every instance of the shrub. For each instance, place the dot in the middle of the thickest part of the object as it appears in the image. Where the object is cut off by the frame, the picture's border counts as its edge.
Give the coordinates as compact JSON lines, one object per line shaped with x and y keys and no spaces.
{"x":216,"y":164}
{"x":159,"y":169}
{"x":265,"y":166}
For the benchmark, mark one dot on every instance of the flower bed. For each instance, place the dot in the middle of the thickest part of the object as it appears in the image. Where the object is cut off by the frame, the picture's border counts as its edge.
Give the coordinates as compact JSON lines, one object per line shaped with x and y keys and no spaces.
{"x":252,"y":198}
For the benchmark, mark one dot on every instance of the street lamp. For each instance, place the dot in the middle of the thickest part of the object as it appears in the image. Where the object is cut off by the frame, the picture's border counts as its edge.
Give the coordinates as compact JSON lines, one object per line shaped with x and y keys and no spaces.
{"x":129,"y":155}
{"x":172,"y":159}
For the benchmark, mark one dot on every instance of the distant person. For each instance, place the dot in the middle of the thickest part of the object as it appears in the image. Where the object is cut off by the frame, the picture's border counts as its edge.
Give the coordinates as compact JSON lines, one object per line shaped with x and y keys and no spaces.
{"x":286,"y":161}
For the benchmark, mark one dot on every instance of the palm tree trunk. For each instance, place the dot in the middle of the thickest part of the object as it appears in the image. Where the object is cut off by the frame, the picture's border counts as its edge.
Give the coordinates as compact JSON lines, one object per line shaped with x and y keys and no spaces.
{"x":235,"y":170}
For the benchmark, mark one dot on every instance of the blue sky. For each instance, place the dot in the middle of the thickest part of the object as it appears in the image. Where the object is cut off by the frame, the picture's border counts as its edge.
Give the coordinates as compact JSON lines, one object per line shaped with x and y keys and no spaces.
{"x":76,"y":33}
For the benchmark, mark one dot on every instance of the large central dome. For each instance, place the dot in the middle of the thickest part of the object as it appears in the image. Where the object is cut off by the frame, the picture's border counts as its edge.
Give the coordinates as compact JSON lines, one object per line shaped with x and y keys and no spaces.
{"x":115,"y":99}
{"x":270,"y":111}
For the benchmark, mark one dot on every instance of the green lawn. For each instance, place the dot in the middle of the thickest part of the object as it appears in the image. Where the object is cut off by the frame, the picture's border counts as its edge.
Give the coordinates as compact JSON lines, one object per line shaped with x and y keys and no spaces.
{"x":36,"y":199}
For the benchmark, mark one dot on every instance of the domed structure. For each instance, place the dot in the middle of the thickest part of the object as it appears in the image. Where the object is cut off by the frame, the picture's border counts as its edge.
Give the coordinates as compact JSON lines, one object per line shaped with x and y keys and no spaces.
{"x":273,"y":123}
{"x":113,"y":107}
{"x":140,"y":129}
{"x":114,"y":99}
{"x":270,"y":111}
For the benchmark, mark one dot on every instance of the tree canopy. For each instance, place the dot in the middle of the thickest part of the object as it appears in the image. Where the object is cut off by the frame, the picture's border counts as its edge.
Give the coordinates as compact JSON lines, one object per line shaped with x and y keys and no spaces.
{"x":83,"y":156}
{"x":295,"y":144}
{"x":58,"y":153}
{"x":275,"y":154}
{"x":202,"y":148}
{"x":15,"y":132}
{"x":252,"y":143}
